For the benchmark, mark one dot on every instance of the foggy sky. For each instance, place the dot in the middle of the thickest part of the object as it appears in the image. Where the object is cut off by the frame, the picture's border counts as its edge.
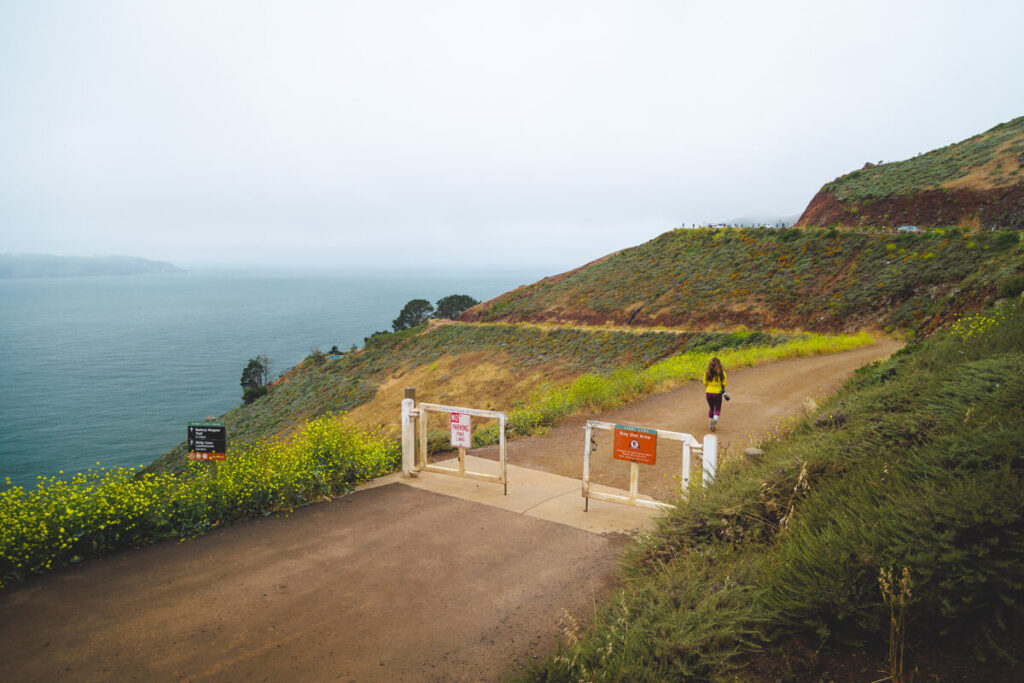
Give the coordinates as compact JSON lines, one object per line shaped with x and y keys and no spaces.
{"x":335,"y":133}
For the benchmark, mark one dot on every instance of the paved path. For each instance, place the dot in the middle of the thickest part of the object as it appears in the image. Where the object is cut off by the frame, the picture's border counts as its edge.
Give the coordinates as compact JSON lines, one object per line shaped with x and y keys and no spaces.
{"x":394,"y":582}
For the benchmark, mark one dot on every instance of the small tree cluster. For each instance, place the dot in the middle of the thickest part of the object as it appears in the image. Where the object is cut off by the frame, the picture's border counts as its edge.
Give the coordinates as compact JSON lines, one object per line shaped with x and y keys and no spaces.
{"x":453,"y":305}
{"x":255,"y":378}
{"x":416,"y":312}
{"x":419,"y":311}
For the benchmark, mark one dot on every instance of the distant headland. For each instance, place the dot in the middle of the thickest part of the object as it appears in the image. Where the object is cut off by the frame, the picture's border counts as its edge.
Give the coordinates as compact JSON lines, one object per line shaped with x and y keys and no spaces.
{"x":47,"y":265}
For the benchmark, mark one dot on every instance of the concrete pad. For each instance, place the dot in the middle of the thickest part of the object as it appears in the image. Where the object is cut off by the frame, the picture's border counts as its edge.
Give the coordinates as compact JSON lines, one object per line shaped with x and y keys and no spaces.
{"x":535,"y":494}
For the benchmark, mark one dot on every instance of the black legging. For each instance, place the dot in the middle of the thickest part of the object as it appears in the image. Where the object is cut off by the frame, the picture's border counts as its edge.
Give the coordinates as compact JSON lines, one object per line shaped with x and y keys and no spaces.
{"x":714,"y":404}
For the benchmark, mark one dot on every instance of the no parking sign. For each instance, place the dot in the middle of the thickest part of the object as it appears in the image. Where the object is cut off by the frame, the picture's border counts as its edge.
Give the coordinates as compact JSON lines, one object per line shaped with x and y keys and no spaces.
{"x":462,"y":430}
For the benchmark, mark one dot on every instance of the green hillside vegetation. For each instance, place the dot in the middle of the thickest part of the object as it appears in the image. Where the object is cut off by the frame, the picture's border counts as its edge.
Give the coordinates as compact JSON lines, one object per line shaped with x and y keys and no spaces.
{"x":891,"y":517}
{"x":822,"y":280}
{"x":992,"y":159}
{"x":318,"y":386}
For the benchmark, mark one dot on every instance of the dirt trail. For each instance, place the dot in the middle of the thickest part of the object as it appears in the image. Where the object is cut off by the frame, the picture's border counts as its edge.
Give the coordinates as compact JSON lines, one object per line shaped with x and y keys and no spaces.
{"x":390,"y":583}
{"x":763,"y":397}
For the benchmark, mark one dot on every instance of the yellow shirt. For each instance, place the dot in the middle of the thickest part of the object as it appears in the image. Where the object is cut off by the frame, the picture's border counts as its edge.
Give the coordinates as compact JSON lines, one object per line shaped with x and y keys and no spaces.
{"x":715,"y":386}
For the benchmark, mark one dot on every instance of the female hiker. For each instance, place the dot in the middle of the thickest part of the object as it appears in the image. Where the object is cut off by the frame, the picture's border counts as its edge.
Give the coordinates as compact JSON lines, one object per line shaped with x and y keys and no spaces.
{"x":714,"y":388}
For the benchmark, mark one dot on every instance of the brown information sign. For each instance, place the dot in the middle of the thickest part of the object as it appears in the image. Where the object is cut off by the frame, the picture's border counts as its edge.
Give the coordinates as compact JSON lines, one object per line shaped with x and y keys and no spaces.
{"x":635,"y":444}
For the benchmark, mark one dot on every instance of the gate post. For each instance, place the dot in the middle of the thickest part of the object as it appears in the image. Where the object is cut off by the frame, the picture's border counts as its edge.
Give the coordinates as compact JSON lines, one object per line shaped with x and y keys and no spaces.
{"x":589,"y":431}
{"x":710,"y":458}
{"x":408,"y":438}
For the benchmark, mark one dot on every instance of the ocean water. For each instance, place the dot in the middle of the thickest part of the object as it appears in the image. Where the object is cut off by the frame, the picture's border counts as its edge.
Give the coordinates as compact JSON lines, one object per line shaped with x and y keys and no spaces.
{"x":110,"y":370}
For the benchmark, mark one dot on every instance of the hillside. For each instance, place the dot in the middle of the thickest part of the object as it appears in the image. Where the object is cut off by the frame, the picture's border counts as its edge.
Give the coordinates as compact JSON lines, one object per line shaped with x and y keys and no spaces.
{"x":737,"y":281}
{"x":488,"y":366}
{"x":979,"y":181}
{"x":822,"y":280}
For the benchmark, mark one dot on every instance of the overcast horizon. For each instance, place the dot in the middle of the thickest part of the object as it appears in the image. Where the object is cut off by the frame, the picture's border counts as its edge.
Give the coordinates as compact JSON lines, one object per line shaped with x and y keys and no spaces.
{"x":400,"y":133}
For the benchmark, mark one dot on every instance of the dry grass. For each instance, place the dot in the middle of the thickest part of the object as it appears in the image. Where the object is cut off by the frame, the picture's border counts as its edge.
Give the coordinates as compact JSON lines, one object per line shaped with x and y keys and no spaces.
{"x":480,"y":379}
{"x":1003,"y":170}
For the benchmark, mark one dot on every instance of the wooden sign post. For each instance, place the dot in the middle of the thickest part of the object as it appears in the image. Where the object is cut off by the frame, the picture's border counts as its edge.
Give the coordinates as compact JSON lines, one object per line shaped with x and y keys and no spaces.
{"x":461,"y":436}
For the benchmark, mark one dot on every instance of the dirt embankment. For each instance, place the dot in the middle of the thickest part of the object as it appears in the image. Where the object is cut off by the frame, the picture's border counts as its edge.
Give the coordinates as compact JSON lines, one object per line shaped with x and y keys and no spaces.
{"x":999,"y":207}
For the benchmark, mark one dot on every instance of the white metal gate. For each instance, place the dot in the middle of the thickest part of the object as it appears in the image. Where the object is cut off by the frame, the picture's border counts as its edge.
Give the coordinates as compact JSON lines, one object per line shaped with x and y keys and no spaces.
{"x":419,"y":462}
{"x":708,"y":451}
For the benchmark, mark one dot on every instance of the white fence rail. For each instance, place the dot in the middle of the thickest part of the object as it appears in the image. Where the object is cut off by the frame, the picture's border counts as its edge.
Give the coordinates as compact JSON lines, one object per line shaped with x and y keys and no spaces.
{"x":709,"y":458}
{"x":413,"y":414}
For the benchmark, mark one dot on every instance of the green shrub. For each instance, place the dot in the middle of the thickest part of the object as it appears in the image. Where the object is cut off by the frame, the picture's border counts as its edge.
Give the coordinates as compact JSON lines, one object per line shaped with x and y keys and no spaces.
{"x":253,"y":393}
{"x":1011,"y":286}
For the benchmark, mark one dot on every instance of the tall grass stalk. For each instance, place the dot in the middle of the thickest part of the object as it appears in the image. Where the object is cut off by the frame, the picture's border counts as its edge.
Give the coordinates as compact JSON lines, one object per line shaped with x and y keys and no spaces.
{"x":895,"y":593}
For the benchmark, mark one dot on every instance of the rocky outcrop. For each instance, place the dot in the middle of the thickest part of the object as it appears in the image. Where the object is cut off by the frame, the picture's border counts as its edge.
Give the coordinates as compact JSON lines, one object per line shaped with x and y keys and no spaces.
{"x":1001,"y":207}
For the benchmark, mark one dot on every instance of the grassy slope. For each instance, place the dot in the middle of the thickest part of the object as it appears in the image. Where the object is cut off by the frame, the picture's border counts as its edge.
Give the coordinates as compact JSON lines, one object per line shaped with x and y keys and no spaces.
{"x":820,"y":280}
{"x":990,"y":160}
{"x":703,"y":278}
{"x":773,"y":573}
{"x":490,"y":365}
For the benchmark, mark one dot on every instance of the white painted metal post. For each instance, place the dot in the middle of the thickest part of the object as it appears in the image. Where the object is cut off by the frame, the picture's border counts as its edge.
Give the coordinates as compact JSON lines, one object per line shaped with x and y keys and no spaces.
{"x":586,"y":466}
{"x":501,"y":450}
{"x":710,"y":458}
{"x":408,"y":438}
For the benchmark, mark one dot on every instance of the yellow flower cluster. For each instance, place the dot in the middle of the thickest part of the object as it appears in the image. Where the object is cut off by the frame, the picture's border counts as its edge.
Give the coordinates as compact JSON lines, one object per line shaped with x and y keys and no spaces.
{"x":62,"y":521}
{"x":976,"y":325}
